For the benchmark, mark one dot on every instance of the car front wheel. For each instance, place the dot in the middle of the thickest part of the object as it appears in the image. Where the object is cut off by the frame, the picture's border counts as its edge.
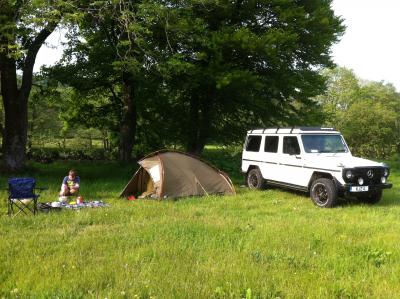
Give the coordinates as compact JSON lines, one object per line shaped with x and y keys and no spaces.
{"x":324,"y":193}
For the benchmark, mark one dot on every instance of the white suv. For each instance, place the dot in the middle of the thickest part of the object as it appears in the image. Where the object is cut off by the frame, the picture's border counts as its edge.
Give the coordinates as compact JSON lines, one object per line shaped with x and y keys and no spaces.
{"x":315,"y":160}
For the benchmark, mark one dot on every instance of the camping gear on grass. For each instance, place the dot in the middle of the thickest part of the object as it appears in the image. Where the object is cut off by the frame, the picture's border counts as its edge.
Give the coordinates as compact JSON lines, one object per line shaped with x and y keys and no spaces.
{"x":46,"y":207}
{"x":79,"y":200}
{"x":86,"y":204}
{"x":172,"y":174}
{"x":63,"y":199}
{"x":22,"y":196}
{"x":57,"y":206}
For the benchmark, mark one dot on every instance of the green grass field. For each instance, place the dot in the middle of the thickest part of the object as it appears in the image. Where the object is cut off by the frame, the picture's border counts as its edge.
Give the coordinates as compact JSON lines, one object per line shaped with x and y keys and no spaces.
{"x":258,"y":244}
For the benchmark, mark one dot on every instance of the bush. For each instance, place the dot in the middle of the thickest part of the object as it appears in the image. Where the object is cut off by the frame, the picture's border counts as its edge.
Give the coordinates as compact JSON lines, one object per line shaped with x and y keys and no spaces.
{"x":48,"y":155}
{"x":43,"y":155}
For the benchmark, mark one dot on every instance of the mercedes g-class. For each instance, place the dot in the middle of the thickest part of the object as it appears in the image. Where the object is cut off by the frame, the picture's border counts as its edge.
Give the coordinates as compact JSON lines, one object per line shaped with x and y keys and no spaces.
{"x":314,"y":160}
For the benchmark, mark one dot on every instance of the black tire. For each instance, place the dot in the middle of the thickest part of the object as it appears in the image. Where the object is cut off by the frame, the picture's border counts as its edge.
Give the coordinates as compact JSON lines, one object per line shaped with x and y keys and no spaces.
{"x":324,"y":193}
{"x":254,"y":179}
{"x":372,"y":197}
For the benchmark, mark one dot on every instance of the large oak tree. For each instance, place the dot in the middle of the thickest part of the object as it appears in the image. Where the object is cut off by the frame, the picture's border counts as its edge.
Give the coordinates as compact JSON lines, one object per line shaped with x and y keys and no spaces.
{"x":222,"y":66}
{"x":106,"y":62}
{"x":24,"y":28}
{"x":242,"y":64}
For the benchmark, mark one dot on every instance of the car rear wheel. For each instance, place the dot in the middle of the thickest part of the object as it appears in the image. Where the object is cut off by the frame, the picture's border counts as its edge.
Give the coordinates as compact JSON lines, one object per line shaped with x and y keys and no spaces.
{"x":255,"y":179}
{"x":324,"y":193}
{"x":372,"y":197}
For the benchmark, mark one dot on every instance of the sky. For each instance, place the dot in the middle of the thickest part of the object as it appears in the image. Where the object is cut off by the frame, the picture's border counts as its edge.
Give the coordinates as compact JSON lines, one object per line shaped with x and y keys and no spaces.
{"x":370,"y":46}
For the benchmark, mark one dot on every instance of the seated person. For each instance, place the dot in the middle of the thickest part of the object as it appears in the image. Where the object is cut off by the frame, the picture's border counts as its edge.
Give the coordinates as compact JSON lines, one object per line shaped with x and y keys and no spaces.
{"x":70,"y":184}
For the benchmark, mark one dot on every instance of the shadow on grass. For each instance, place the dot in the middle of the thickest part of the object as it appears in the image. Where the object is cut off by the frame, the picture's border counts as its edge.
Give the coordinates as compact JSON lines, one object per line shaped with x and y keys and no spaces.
{"x":385,"y":202}
{"x":354,"y":201}
{"x":348,"y":201}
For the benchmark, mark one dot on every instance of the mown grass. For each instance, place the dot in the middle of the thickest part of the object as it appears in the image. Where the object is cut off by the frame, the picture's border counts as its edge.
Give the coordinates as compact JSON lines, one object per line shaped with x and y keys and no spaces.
{"x":258,"y":244}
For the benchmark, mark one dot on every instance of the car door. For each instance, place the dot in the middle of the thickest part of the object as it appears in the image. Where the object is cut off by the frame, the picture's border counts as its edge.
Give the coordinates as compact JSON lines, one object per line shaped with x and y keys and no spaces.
{"x":269,"y":156}
{"x":291,"y":162}
{"x":251,"y":151}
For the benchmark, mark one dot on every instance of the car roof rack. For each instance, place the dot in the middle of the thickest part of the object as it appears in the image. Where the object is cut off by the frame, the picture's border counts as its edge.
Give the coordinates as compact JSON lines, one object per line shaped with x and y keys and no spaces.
{"x":257,"y":129}
{"x":316,"y":129}
{"x":291,"y":129}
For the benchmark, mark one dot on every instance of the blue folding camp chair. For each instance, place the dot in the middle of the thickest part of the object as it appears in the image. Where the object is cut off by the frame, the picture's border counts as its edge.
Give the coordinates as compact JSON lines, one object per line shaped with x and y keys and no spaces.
{"x":22,"y":196}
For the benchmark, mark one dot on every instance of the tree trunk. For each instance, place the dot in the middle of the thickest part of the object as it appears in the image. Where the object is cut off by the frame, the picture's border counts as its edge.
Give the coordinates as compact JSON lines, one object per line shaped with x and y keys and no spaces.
{"x":15,"y":136}
{"x":1,"y":127}
{"x":15,"y":99}
{"x":106,"y":145}
{"x":196,"y":145}
{"x":199,"y":127}
{"x":2,"y":137}
{"x":128,"y":122}
{"x":31,"y":128}
{"x":15,"y":116}
{"x":193,"y":127}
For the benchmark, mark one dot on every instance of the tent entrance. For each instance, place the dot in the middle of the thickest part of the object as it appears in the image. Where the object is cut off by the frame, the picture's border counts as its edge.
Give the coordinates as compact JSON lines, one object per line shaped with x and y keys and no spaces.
{"x":149,"y":190}
{"x":141,"y":185}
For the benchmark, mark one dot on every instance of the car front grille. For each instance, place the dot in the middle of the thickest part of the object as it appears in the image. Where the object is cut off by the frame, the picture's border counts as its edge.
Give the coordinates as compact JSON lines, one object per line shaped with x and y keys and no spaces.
{"x":365,"y":173}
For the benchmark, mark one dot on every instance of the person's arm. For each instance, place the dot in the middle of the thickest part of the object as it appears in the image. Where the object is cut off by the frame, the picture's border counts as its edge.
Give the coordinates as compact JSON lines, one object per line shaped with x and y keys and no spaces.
{"x":77,"y":182}
{"x":64,"y":182}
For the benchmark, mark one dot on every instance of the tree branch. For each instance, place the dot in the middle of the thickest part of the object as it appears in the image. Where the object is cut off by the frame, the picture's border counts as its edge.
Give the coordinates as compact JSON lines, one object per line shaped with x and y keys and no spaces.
{"x":33,"y":49}
{"x":18,"y":5}
{"x":166,"y":34}
{"x":114,"y":94}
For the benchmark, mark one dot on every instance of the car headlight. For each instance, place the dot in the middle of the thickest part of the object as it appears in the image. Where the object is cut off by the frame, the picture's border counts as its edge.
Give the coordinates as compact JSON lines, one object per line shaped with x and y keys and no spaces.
{"x":349,"y":174}
{"x":386,"y":172}
{"x":383,"y":180}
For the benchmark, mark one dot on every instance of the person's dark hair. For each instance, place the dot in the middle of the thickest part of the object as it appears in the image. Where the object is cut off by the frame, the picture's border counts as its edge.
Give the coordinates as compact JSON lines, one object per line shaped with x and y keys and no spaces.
{"x":73,"y":171}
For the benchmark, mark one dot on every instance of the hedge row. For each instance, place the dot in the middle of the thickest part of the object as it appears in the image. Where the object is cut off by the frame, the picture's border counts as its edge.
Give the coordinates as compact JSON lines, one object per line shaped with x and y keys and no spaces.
{"x":47,"y":155}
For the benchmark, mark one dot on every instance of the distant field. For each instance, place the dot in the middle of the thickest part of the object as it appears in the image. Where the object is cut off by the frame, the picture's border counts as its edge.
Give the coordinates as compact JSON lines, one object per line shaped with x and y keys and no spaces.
{"x":258,"y":244}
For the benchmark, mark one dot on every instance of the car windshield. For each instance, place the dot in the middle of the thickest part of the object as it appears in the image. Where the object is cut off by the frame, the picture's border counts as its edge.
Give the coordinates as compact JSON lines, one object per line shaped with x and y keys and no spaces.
{"x":324,"y":144}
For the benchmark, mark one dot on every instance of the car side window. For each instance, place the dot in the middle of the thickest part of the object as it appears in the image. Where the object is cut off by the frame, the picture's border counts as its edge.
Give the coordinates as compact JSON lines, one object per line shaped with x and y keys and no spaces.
{"x":253,"y":143}
{"x":291,"y":145}
{"x":271,"y":144}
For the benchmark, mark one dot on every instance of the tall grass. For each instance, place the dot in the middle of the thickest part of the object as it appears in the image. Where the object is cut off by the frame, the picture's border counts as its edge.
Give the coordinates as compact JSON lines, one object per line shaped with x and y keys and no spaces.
{"x":258,"y":244}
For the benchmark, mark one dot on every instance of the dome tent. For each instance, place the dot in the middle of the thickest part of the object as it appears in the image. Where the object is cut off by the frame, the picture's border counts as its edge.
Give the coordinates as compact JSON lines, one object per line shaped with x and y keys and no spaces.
{"x":172,"y":174}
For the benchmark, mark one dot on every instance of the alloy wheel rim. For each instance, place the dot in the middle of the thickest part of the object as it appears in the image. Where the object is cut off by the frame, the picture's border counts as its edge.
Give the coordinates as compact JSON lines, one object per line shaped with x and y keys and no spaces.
{"x":253,"y":181}
{"x":321,"y":194}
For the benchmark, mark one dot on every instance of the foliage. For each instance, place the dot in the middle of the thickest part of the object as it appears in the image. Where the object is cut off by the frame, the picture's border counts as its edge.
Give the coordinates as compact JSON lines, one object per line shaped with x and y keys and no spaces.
{"x":21,"y":23}
{"x":50,"y":155}
{"x":367,"y":113}
{"x":370,"y":129}
{"x":44,"y":109}
{"x":259,"y":243}
{"x":201,"y":71}
{"x":236,"y":65}
{"x":108,"y":63}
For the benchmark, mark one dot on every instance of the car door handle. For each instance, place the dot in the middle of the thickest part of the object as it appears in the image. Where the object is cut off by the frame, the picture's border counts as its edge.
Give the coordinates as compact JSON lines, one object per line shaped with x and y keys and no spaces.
{"x":298,"y":157}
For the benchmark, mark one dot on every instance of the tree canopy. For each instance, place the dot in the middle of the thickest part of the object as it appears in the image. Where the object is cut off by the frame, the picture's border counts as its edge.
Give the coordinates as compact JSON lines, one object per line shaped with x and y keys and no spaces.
{"x":198,"y":71}
{"x":367,"y":113}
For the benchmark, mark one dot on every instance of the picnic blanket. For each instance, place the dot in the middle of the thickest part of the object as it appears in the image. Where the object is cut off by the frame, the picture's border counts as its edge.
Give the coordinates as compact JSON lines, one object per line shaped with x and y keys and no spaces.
{"x":46,"y":207}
